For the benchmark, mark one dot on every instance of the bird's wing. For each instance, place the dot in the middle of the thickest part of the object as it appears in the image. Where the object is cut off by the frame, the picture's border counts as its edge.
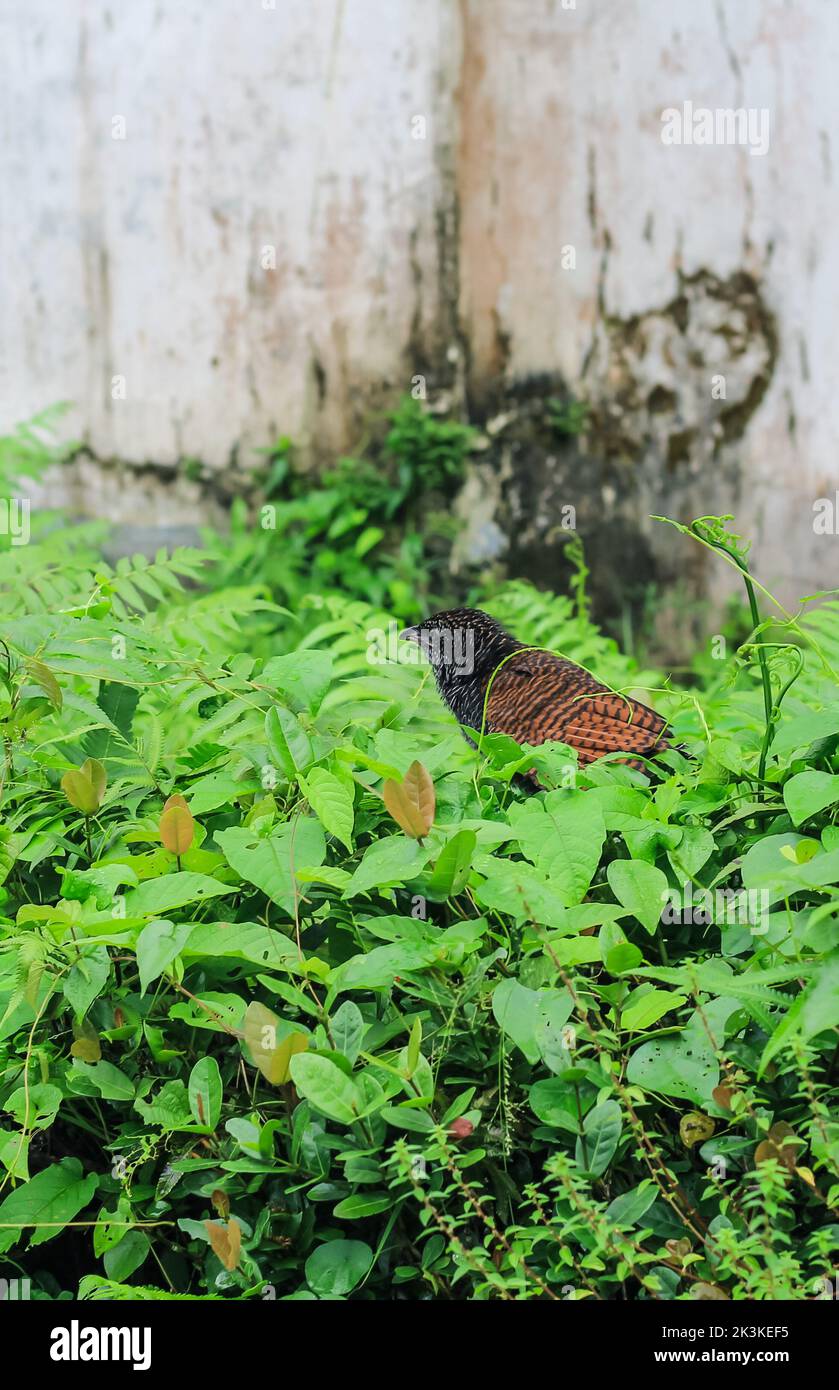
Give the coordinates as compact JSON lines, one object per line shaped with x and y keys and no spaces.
{"x":536,"y":697}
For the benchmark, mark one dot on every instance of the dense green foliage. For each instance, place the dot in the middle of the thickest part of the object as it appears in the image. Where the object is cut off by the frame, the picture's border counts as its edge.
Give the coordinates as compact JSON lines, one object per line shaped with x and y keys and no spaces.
{"x":302,"y":996}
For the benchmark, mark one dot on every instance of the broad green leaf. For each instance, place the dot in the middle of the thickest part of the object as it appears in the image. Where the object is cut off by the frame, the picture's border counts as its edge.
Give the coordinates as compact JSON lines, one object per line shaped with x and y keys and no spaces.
{"x":562,"y":834}
{"x":157,"y":946}
{"x":641,"y":888}
{"x":816,"y":1010}
{"x":386,"y":862}
{"x":600,"y":1137}
{"x":42,"y":1207}
{"x":169,"y":1108}
{"x":288,"y":743}
{"x":205,"y":1092}
{"x":453,"y":865}
{"x":87,"y":978}
{"x":523,"y":893}
{"x":684,"y":1066}
{"x":104,"y":1078}
{"x":517,"y":1013}
{"x":304,"y":676}
{"x":126,"y":1257}
{"x":551,"y":1029}
{"x":327,"y":1088}
{"x":247,"y":941}
{"x":809,"y":792}
{"x":334,"y":1269}
{"x":383,"y":964}
{"x":332,"y":802}
{"x":643,"y":1010}
{"x":268,"y":862}
{"x":693,"y":850}
{"x":629,"y":1207}
{"x":35,"y":1109}
{"x":160,"y":895}
{"x":363,"y":1204}
{"x":554,"y":1102}
{"x":346,"y":1030}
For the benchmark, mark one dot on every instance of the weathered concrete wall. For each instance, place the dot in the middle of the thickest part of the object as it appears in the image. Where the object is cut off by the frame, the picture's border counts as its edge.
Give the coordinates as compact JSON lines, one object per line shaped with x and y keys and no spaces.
{"x":161,"y":155}
{"x":690,"y":262}
{"x":293,"y":127}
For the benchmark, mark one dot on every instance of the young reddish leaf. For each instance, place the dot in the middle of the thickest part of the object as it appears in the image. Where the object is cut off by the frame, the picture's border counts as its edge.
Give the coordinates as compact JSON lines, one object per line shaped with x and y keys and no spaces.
{"x":271,"y":1057}
{"x":777,"y":1145}
{"x":411,"y":802}
{"x":221,"y":1202}
{"x":80,"y":792}
{"x":226,"y":1241}
{"x":695,"y":1128}
{"x":177,"y":828}
{"x":43,"y":676}
{"x":86,"y":1046}
{"x":95,"y":773}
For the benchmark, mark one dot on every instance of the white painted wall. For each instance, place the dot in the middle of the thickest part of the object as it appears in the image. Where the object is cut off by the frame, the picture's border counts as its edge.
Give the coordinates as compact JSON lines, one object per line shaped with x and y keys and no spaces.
{"x":249,"y":126}
{"x":245,"y":126}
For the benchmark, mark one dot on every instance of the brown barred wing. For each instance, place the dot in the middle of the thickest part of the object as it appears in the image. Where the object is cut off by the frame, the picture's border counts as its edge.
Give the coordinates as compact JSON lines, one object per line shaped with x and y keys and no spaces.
{"x":537,"y":697}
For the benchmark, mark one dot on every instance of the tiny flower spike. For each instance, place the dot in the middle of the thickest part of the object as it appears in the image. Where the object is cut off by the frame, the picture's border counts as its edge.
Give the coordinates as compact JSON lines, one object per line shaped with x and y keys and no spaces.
{"x":530,"y":694}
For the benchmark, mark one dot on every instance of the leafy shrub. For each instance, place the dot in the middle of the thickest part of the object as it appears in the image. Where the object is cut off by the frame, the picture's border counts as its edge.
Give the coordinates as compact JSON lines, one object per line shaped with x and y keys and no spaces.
{"x":302,"y":997}
{"x":367,"y":530}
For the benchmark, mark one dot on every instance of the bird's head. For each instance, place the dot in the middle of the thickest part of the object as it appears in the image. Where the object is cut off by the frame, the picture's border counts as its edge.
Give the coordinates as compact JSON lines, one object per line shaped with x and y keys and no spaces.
{"x":463,"y":647}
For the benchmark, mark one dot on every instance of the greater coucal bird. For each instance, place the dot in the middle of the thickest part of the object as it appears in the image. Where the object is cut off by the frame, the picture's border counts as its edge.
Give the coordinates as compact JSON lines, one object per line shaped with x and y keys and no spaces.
{"x":534,"y":696}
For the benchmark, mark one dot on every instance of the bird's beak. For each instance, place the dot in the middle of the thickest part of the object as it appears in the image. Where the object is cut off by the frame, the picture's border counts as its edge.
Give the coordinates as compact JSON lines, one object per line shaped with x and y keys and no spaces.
{"x":410,"y":634}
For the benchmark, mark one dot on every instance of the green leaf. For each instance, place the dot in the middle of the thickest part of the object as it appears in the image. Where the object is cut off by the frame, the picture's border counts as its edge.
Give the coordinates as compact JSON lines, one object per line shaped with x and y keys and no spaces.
{"x":288,"y":743}
{"x":601,"y":1135}
{"x":125,"y":1258}
{"x":36,"y":1109}
{"x":334,"y":1269}
{"x":157,"y":946}
{"x":332,"y":802}
{"x":327,"y":1088}
{"x":46,"y":1203}
{"x":205,"y":1092}
{"x":347,"y":1028}
{"x":160,"y":895}
{"x":816,"y":1010}
{"x":87,"y":978}
{"x":516,"y":1011}
{"x":642,"y":1010}
{"x":362,"y":1204}
{"x":629,"y":1207}
{"x":524,"y":894}
{"x":395,"y":860}
{"x":453,"y":865}
{"x":562,"y":834}
{"x":685,"y":1066}
{"x":641,"y":888}
{"x":554,"y":1102}
{"x":304,"y":676}
{"x":106,"y":1079}
{"x":169,"y":1109}
{"x":381,"y":965}
{"x":809,"y":792}
{"x":267,"y":862}
{"x":693,"y":850}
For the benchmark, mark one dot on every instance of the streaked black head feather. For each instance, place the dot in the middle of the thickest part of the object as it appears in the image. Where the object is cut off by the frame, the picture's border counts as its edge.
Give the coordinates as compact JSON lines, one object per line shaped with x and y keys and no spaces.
{"x":463,"y":647}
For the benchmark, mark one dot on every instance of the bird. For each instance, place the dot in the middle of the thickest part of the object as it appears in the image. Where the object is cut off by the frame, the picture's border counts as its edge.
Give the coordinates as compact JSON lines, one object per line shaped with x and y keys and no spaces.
{"x":534,"y":696}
